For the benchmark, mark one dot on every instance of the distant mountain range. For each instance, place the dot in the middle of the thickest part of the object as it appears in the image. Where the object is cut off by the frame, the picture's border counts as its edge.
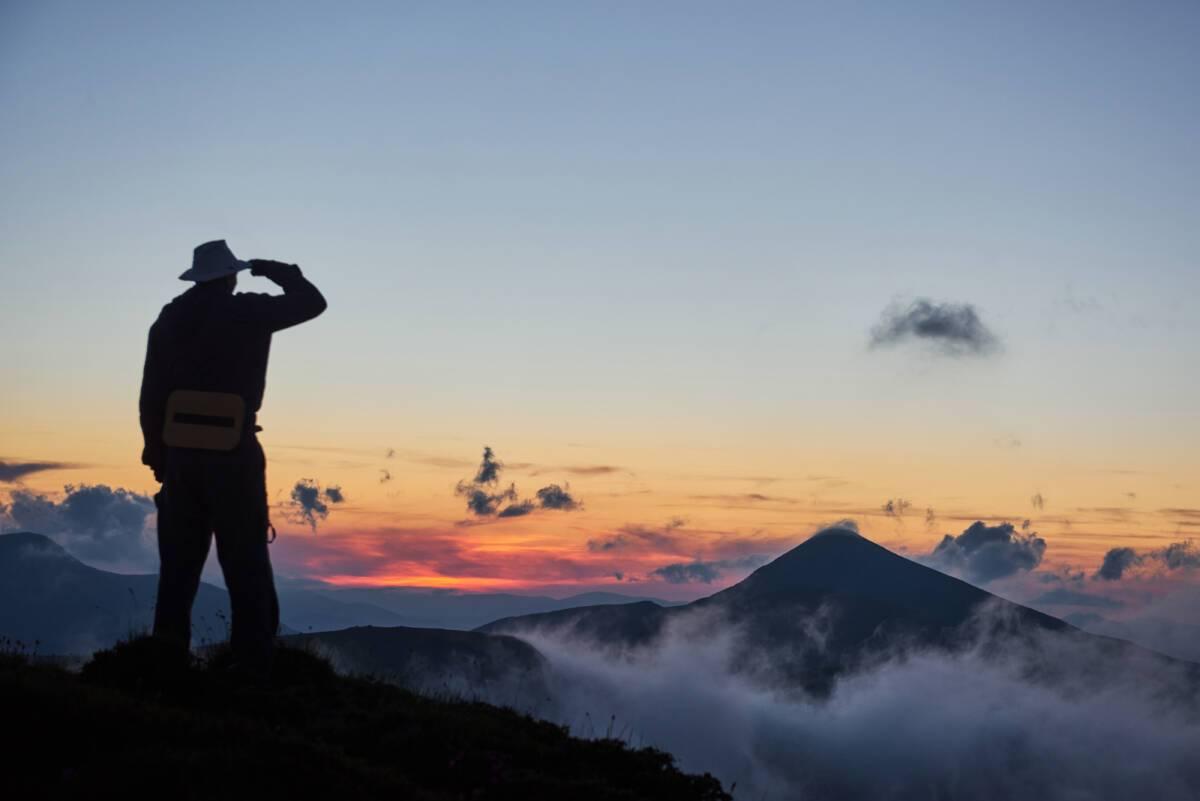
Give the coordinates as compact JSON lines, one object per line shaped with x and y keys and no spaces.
{"x":455,"y":610}
{"x":49,"y":597}
{"x":828,"y":606}
{"x":823,"y":608}
{"x":52,"y":601}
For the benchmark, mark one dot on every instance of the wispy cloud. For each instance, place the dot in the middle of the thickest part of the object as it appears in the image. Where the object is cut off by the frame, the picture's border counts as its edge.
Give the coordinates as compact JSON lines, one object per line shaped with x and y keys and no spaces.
{"x":13,"y":472}
{"x":896,"y":507}
{"x":744,"y":498}
{"x":635,"y":537}
{"x":579,"y":470}
{"x":706,"y":572}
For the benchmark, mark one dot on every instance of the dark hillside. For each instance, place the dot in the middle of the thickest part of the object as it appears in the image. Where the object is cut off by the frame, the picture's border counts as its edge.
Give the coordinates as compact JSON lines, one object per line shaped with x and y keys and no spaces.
{"x":133,"y":726}
{"x":437,"y":661}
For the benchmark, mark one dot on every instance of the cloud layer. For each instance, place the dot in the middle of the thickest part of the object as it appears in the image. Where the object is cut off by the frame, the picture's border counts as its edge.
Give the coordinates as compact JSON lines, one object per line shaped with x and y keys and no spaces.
{"x":922,"y":725}
{"x":11,"y":472}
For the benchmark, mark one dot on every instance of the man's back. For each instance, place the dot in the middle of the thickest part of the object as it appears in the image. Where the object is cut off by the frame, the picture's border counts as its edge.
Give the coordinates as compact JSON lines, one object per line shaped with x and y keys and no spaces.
{"x":212,"y":340}
{"x":209,"y":348}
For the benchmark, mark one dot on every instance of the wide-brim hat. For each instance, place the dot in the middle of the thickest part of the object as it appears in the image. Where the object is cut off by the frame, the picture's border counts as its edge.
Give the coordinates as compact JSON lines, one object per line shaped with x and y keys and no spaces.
{"x":213,"y":260}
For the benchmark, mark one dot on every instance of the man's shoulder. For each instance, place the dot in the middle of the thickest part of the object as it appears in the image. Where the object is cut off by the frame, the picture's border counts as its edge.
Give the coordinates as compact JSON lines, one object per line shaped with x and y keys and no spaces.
{"x":168,"y":310}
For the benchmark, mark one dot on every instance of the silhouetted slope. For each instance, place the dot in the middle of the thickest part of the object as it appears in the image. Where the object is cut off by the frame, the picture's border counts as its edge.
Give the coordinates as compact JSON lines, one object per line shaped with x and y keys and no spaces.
{"x":464,"y":663}
{"x":621,"y":625}
{"x":134,"y":725}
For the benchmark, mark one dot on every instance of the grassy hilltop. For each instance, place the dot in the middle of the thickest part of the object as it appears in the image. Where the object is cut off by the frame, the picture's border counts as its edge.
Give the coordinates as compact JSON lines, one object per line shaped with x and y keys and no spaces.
{"x":131,"y":723}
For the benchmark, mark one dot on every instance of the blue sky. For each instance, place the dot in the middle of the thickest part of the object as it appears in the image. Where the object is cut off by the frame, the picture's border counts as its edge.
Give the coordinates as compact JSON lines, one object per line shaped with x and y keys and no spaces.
{"x":648,"y":227}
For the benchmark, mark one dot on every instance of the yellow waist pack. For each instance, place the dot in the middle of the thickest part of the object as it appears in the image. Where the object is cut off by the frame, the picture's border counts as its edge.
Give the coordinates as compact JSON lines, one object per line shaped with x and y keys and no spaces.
{"x":210,"y":421}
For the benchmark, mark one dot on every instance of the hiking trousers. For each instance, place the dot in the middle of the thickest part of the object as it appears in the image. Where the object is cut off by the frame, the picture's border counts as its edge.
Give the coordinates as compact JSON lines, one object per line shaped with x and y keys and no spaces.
{"x":221,"y":494}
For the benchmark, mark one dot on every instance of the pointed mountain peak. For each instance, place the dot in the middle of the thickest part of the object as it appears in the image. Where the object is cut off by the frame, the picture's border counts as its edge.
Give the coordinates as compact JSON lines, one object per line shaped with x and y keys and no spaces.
{"x":839,"y":560}
{"x":844,"y":529}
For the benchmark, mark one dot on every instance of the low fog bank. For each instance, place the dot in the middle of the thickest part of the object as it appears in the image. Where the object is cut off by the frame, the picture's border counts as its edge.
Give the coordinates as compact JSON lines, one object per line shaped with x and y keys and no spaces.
{"x":1051,"y":716}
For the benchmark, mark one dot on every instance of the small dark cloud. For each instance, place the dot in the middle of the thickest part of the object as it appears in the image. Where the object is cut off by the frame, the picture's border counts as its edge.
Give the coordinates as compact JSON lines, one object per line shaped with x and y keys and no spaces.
{"x":391,"y":453}
{"x":1038,"y":501}
{"x":954,"y":329}
{"x":385,"y":476}
{"x":94,"y":522}
{"x":984,"y":553}
{"x":484,"y":501}
{"x":310,"y":503}
{"x":702,"y":572}
{"x":1176,"y":556}
{"x":1116,"y":562}
{"x":489,"y":468}
{"x":896,"y":507}
{"x":618,"y":575}
{"x":930,"y":517}
{"x":556,"y":497}
{"x":1179,"y":555}
{"x":519,"y":509}
{"x":12,"y":472}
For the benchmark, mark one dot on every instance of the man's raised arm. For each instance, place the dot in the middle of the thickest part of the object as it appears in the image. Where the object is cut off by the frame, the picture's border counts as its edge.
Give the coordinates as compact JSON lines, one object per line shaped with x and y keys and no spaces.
{"x":300,"y":301}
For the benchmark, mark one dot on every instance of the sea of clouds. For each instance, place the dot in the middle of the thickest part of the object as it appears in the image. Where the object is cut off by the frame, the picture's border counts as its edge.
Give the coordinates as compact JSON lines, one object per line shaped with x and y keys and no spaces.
{"x":1054,"y":717}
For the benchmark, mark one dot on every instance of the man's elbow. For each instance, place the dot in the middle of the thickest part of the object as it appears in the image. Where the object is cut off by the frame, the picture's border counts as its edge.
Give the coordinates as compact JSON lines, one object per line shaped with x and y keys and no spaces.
{"x":319,"y":304}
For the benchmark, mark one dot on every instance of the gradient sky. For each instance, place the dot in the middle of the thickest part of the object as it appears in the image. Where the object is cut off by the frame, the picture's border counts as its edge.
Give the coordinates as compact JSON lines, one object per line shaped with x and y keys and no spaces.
{"x":652,"y":238}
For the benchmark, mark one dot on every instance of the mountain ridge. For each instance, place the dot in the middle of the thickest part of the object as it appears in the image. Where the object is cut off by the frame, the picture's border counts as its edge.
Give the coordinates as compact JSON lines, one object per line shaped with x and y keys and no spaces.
{"x":834,"y":602}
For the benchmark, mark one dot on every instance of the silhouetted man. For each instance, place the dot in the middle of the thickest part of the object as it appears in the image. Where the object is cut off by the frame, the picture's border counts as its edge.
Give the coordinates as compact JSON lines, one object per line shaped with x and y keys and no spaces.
{"x":206,"y":367}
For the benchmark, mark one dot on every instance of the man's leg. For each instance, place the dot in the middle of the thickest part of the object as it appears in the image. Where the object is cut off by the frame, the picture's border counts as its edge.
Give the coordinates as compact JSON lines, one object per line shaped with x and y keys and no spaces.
{"x":240,"y":523}
{"x":183,"y":541}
